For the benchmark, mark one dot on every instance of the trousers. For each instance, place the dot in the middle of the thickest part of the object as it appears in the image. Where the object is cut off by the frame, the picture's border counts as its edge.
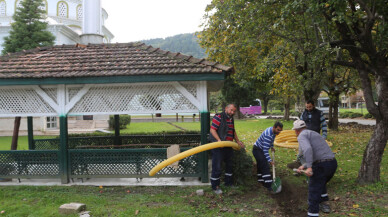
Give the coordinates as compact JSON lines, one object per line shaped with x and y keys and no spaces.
{"x":263,"y":172}
{"x":220,"y":155}
{"x":323,"y":172}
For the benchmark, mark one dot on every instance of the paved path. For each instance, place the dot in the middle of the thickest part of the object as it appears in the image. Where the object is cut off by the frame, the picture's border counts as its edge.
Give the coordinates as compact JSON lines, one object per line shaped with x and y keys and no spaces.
{"x":359,"y":121}
{"x":189,"y":181}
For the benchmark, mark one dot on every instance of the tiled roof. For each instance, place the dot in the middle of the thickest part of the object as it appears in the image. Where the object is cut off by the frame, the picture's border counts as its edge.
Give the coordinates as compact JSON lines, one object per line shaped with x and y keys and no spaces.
{"x":102,"y":60}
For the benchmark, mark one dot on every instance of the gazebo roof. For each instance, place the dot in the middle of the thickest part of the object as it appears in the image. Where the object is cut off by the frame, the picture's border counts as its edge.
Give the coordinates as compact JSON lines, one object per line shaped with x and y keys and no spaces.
{"x":121,"y":62}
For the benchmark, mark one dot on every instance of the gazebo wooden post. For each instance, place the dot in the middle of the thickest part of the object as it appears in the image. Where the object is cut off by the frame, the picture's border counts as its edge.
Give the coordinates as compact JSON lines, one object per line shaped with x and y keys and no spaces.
{"x":63,"y":150}
{"x":205,"y":120}
{"x":30,"y":129}
{"x":205,"y":128}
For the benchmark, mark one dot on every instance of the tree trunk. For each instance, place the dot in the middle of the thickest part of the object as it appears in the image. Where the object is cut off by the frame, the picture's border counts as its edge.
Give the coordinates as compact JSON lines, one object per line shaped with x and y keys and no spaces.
{"x":334,"y":124}
{"x":371,"y":162}
{"x":333,"y":111}
{"x":287,"y":109}
{"x":265,"y":105}
{"x":15,"y":136}
{"x":329,"y":124}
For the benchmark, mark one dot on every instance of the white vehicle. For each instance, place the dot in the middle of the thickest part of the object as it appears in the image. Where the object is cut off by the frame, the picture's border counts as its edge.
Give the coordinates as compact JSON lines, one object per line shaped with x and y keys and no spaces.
{"x":323,"y":105}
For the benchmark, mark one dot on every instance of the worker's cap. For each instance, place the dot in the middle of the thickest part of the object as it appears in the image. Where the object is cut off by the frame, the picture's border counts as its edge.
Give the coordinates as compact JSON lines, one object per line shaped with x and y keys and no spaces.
{"x":298,"y":124}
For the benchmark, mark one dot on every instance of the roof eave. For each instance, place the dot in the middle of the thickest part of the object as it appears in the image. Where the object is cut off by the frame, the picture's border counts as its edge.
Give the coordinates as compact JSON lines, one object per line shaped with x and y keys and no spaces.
{"x":115,"y":79}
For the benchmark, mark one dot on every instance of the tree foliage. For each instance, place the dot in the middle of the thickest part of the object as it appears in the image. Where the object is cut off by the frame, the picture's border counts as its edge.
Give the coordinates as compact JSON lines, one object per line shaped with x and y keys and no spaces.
{"x":298,"y":45}
{"x":183,"y":43}
{"x":29,"y":30}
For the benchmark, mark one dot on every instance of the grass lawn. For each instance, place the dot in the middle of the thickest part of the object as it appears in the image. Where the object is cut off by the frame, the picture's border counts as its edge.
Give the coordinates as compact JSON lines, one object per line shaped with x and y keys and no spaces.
{"x":347,"y":197}
{"x":5,"y":142}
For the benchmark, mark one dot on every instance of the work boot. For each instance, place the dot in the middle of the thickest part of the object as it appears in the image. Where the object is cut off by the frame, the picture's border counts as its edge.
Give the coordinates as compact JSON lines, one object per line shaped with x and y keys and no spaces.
{"x":324,"y":207}
{"x":218,"y":191}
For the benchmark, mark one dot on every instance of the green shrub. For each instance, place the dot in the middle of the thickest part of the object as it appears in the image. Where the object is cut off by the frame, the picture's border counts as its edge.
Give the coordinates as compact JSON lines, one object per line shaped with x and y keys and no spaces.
{"x":346,"y":114}
{"x":295,"y":113}
{"x":355,"y":115}
{"x":368,"y":115}
{"x":242,"y":167}
{"x":275,"y":113}
{"x":124,"y":121}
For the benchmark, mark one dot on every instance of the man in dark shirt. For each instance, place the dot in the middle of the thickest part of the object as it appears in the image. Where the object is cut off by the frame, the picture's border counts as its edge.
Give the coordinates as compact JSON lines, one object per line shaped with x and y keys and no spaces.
{"x":314,"y":119}
{"x":222,"y":129}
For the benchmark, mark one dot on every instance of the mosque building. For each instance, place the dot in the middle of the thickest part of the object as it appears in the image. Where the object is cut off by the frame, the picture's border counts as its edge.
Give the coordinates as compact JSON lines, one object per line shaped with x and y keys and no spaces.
{"x":64,"y":18}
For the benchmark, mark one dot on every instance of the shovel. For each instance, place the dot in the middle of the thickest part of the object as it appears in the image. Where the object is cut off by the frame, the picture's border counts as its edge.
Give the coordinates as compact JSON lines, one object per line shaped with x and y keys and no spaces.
{"x":277,"y":183}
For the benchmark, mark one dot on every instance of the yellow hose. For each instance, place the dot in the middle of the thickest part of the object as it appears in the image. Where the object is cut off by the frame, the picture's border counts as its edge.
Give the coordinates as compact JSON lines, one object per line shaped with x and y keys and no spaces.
{"x":193,"y":151}
{"x":288,"y":139}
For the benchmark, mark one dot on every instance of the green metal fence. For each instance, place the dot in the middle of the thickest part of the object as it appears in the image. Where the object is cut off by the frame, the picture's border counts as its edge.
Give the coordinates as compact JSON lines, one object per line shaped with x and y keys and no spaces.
{"x":128,"y":163}
{"x":135,"y":158}
{"x":29,"y":164}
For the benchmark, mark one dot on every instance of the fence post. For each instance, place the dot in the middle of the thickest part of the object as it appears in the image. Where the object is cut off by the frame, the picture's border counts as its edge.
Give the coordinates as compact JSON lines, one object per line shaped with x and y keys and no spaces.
{"x":205,"y":122}
{"x":117,"y":130}
{"x":63,"y":150}
{"x":30,"y":128}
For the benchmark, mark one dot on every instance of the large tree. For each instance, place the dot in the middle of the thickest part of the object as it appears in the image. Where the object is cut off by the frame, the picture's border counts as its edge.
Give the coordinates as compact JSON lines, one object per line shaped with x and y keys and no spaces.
{"x":27,"y":31}
{"x":363,"y":29}
{"x":246,"y":33}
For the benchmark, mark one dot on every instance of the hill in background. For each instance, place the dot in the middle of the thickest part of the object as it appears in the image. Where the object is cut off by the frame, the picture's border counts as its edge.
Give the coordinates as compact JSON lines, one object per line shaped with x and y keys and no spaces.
{"x":183,"y":43}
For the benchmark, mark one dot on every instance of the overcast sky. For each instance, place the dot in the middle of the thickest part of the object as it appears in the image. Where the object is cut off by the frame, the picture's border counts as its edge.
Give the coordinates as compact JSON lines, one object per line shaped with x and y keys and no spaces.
{"x":134,"y":20}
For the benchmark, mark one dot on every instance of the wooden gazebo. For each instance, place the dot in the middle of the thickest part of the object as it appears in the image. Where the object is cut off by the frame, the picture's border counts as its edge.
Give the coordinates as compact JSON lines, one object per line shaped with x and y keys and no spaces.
{"x":96,"y":79}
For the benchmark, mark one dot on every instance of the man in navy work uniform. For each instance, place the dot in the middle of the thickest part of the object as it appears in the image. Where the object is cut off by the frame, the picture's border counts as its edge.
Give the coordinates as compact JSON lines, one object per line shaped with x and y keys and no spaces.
{"x":261,"y":153}
{"x":314,"y":119}
{"x":320,"y":164}
{"x":222,"y":129}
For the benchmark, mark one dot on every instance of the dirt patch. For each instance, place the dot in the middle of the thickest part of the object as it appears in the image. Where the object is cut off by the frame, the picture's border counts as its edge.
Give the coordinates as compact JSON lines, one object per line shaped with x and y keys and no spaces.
{"x":292,"y":200}
{"x":355,"y":126}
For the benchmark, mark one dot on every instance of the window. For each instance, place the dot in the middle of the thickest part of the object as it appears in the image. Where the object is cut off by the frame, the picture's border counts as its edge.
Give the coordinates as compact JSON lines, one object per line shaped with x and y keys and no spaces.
{"x":51,"y":122}
{"x":80,"y":13}
{"x":2,"y":8}
{"x":62,"y":9}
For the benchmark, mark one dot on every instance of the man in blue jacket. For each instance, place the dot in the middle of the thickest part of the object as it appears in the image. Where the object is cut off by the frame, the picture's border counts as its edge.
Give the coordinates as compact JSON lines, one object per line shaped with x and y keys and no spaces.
{"x":261,"y":153}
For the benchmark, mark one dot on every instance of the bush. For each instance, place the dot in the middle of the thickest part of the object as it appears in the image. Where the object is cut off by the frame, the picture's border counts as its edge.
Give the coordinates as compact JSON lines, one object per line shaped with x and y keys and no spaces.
{"x":355,"y":115}
{"x":345,"y":114}
{"x":295,"y":113}
{"x":368,"y":115}
{"x":124,"y":121}
{"x":242,"y":167}
{"x":275,"y":113}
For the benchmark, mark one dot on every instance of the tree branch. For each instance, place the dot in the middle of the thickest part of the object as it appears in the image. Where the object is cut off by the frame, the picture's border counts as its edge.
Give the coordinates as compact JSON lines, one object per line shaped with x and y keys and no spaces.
{"x":344,"y":63}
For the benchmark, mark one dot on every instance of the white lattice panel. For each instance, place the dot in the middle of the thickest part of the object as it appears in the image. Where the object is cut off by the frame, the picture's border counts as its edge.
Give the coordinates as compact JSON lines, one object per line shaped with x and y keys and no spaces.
{"x":135,"y":98}
{"x":72,"y":91}
{"x":191,"y":87}
{"x":51,"y":92}
{"x":23,"y":102}
{"x":58,"y":100}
